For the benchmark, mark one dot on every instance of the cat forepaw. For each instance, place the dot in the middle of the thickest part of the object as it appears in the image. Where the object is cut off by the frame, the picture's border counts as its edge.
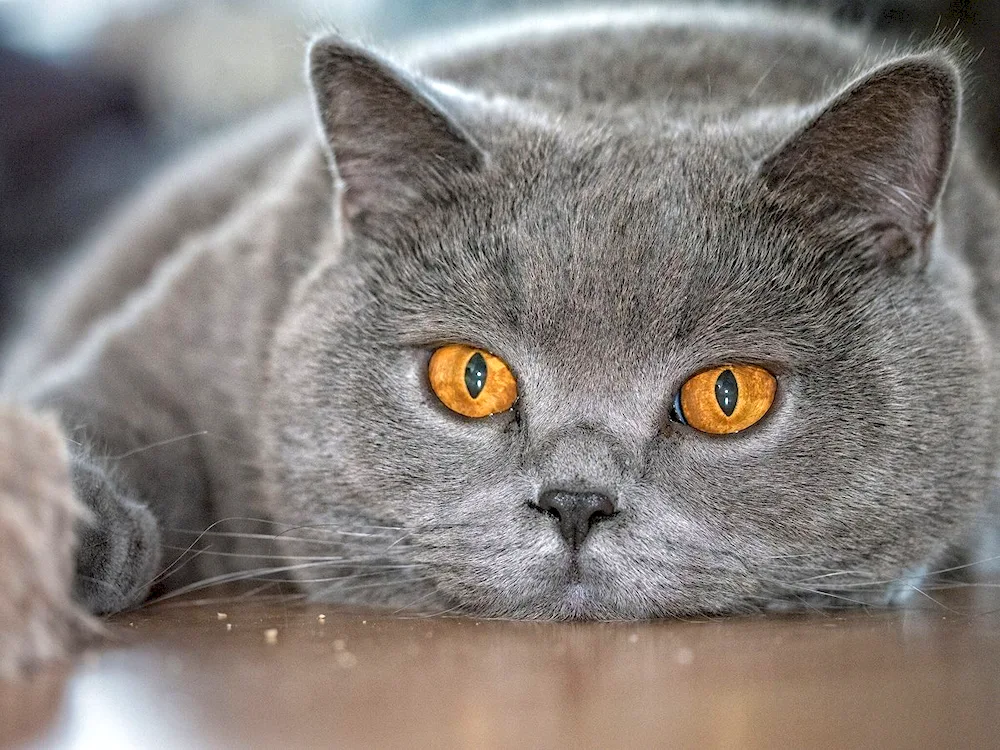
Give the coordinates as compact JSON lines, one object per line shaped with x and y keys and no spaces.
{"x":39,"y":621}
{"x":118,"y":547}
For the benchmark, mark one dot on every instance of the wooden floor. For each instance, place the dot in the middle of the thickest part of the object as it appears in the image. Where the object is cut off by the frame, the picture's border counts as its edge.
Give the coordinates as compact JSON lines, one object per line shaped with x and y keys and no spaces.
{"x":240,"y":673}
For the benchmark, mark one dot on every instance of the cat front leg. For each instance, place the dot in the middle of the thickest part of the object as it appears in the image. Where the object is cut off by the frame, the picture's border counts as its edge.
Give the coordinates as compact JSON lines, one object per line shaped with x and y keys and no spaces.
{"x":39,"y":516}
{"x":118,"y":549}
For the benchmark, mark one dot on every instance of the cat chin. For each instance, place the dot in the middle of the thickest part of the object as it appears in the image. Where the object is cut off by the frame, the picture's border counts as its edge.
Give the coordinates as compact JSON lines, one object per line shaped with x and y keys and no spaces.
{"x":578,"y":599}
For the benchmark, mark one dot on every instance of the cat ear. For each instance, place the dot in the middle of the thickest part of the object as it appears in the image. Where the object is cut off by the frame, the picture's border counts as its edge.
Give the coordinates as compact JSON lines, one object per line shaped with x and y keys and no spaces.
{"x":881,"y":150}
{"x":392,"y":144}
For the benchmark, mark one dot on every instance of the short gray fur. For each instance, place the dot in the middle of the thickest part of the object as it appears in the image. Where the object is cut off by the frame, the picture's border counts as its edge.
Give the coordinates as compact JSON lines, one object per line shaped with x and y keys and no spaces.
{"x":609,"y":202}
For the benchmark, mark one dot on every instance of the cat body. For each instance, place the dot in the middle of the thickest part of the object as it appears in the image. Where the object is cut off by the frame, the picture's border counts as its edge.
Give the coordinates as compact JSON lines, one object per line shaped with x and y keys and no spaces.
{"x":611,"y":202}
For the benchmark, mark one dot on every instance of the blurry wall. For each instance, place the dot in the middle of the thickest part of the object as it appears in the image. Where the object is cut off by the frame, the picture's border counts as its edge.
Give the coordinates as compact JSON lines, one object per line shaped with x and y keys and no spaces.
{"x":96,"y":93}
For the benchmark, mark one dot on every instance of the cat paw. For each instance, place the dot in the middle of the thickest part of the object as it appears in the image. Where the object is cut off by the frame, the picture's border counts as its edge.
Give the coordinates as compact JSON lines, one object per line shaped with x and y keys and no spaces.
{"x":39,"y":621}
{"x":118,"y":550}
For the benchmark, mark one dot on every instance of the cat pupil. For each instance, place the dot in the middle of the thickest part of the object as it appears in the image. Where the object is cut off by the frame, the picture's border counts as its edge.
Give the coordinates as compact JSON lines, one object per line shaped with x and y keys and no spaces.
{"x":726,"y":392}
{"x":475,"y":375}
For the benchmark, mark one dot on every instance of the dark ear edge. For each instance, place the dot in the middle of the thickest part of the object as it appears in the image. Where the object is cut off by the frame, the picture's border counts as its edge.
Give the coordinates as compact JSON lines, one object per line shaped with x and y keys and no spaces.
{"x":880,"y":150}
{"x":391,"y":142}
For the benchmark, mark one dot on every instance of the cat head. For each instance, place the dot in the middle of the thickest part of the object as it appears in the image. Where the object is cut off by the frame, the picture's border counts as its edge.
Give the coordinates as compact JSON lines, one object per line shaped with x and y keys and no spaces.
{"x":606,"y":264}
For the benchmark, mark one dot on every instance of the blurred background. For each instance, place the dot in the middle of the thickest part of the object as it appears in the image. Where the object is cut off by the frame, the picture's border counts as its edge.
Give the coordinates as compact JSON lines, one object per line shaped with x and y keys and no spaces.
{"x":94,"y":94}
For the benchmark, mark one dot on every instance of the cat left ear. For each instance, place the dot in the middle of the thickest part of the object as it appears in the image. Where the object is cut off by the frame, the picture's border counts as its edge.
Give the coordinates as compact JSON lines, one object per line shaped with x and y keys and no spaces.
{"x":881,"y":150}
{"x":392,"y":143}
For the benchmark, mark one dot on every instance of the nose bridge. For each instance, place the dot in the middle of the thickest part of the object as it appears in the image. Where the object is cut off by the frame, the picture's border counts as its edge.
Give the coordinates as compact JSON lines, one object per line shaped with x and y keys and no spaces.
{"x":587,"y":429}
{"x":583,"y":458}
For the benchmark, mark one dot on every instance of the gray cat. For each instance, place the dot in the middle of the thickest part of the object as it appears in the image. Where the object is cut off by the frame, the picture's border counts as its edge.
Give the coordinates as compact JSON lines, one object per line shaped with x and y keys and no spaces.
{"x":622,"y":315}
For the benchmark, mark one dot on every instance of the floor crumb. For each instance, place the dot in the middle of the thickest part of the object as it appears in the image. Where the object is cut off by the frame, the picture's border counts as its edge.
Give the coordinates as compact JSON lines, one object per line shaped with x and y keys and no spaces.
{"x":321,"y":618}
{"x":229,"y":626}
{"x":271,"y":636}
{"x":221,"y":615}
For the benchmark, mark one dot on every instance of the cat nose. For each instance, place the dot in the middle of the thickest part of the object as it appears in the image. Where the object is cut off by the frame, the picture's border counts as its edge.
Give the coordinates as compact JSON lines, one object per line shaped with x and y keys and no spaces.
{"x":576,"y":512}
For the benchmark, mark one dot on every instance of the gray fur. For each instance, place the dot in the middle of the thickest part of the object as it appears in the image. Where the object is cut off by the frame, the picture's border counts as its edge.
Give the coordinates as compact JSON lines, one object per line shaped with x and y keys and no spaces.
{"x":610,"y":203}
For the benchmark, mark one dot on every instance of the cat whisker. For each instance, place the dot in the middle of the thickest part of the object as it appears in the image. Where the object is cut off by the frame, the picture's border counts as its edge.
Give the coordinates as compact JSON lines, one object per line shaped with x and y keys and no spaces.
{"x":767,"y":73}
{"x":178,"y":564}
{"x":234,"y":577}
{"x":255,"y":556}
{"x":352,"y":577}
{"x":818,"y":592}
{"x":332,"y":527}
{"x":965,"y":566}
{"x":313,"y":527}
{"x":219,"y":600}
{"x":173,"y":567}
{"x":371,"y":570}
{"x":151,"y":446}
{"x":787,"y":557}
{"x":368,"y":572}
{"x":951,"y":585}
{"x":431,"y":615}
{"x":931,"y":598}
{"x":893,"y":581}
{"x":275,"y":537}
{"x":411,"y":605}
{"x":831,"y":575}
{"x":341,"y":589}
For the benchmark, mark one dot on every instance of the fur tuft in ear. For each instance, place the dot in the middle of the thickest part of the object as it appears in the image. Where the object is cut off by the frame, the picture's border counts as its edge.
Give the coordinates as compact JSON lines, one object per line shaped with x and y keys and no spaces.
{"x":881,"y":149}
{"x":392,"y":144}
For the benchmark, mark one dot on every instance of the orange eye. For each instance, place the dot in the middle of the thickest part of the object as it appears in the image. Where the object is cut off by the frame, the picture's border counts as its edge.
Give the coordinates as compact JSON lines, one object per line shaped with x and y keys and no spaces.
{"x":471,"y":381}
{"x":726,"y":399}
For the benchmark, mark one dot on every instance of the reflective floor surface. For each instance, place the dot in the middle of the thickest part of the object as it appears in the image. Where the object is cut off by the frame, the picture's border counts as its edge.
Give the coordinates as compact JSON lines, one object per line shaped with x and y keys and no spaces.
{"x":237,"y":672}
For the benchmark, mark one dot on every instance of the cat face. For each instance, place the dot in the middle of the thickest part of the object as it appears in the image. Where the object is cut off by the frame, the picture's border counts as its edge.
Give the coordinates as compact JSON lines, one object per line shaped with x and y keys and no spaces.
{"x":606,"y":268}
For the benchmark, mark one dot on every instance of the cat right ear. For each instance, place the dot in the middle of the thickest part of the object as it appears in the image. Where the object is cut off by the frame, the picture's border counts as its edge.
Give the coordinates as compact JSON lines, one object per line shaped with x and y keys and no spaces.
{"x":392,"y":144}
